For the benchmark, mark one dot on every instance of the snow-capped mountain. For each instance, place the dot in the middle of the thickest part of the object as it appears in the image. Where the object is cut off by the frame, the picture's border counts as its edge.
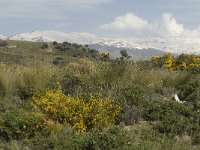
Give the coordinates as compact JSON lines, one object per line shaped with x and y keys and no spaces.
{"x":49,"y":36}
{"x":2,"y":37}
{"x":174,"y":45}
{"x":182,"y":44}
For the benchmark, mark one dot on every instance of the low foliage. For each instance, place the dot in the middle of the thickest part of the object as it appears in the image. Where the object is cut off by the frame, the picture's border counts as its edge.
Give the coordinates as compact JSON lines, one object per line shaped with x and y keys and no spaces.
{"x":20,"y":124}
{"x":82,"y":116}
{"x":182,"y":62}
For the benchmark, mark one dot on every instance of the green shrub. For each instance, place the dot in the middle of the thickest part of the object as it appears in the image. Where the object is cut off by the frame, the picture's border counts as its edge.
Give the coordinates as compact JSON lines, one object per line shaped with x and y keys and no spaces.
{"x":111,"y":138}
{"x":71,"y":84}
{"x":3,"y":43}
{"x":58,"y":61}
{"x":172,"y":117}
{"x":132,"y":100}
{"x":66,"y":138}
{"x":44,"y":46}
{"x":20,"y":124}
{"x":190,"y":91}
{"x":55,"y":42}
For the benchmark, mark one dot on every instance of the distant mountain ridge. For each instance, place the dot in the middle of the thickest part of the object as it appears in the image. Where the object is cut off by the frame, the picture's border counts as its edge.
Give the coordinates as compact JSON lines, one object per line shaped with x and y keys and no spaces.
{"x":136,"y":53}
{"x":139,"y":46}
{"x":49,"y":36}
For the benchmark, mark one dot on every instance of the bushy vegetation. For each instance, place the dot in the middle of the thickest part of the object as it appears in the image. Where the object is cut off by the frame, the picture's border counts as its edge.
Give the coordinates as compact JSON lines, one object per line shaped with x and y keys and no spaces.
{"x":181,"y":62}
{"x":3,"y":43}
{"x":75,"y":112}
{"x":68,"y":96}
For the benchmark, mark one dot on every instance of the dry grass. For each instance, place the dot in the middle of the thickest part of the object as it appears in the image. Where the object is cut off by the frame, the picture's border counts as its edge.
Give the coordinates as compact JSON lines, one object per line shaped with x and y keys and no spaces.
{"x":13,"y":78}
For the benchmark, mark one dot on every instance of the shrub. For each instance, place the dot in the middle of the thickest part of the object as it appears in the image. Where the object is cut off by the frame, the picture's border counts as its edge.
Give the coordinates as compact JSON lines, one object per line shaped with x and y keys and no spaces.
{"x":172,"y":117}
{"x":66,"y":43}
{"x":188,"y":62}
{"x":58,"y":61}
{"x":20,"y":124}
{"x":190,"y":91}
{"x":55,"y":42}
{"x":44,"y":46}
{"x":132,"y":99}
{"x":3,"y":43}
{"x":110,"y":138}
{"x":65,"y":138}
{"x":62,"y":48}
{"x":124,"y":55}
{"x":71,"y":84}
{"x":82,"y":116}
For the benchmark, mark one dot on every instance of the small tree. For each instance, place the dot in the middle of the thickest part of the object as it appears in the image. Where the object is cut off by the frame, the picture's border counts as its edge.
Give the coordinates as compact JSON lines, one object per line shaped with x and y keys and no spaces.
{"x":44,"y":46}
{"x":55,"y":42}
{"x":124,"y":55}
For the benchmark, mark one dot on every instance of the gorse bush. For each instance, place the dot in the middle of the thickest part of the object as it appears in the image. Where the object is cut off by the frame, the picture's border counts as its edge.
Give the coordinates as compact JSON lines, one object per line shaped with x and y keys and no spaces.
{"x":189,"y":62}
{"x":82,"y":116}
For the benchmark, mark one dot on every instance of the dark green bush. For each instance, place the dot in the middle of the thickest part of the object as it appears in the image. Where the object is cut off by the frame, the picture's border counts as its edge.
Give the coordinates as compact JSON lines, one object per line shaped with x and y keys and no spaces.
{"x":112,"y":138}
{"x":132,"y":99}
{"x":63,"y":48}
{"x":3,"y":43}
{"x":70,"y":84}
{"x":66,"y":138}
{"x":26,"y":92}
{"x":20,"y":124}
{"x":173,"y":118}
{"x":55,"y":42}
{"x":190,"y":91}
{"x":61,"y":140}
{"x":66,"y":44}
{"x":58,"y":61}
{"x":44,"y":46}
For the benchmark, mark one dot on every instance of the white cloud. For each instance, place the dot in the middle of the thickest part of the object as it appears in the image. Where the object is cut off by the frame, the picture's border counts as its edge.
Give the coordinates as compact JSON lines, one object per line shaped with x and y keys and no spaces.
{"x":127,"y":22}
{"x":169,"y":26}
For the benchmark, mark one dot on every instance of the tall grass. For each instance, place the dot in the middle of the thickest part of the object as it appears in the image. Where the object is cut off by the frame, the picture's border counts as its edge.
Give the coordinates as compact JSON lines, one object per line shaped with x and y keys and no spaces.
{"x":13,"y":78}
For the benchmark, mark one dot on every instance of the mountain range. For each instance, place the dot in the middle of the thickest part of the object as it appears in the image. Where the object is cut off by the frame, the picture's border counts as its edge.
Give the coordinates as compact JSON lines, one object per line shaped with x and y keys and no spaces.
{"x":139,"y":47}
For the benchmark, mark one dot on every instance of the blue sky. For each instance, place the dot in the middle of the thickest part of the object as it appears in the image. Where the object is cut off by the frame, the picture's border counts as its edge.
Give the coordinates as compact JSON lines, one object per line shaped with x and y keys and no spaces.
{"x":101,"y":17}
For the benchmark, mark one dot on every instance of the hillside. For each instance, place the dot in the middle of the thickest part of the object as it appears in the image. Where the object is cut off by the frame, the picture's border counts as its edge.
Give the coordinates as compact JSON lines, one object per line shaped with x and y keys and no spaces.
{"x":68,"y":96}
{"x":24,"y":52}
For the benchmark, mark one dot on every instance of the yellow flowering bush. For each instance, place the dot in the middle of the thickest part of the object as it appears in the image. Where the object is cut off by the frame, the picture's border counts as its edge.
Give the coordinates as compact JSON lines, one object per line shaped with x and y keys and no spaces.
{"x":81,"y":115}
{"x":183,"y":61}
{"x":105,"y":56}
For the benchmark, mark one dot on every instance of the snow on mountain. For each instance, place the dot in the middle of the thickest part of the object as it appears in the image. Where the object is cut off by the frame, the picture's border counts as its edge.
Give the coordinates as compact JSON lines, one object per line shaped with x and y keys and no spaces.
{"x":2,"y":37}
{"x":49,"y":36}
{"x":181,"y":44}
{"x":173,"y":45}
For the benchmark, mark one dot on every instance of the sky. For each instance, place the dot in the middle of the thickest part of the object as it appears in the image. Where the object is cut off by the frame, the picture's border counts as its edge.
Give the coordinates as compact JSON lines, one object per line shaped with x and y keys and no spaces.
{"x":102,"y":17}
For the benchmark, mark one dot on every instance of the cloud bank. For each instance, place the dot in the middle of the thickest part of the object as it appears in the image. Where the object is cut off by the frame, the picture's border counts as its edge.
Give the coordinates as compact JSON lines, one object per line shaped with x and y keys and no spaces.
{"x":167,"y":26}
{"x":129,"y":21}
